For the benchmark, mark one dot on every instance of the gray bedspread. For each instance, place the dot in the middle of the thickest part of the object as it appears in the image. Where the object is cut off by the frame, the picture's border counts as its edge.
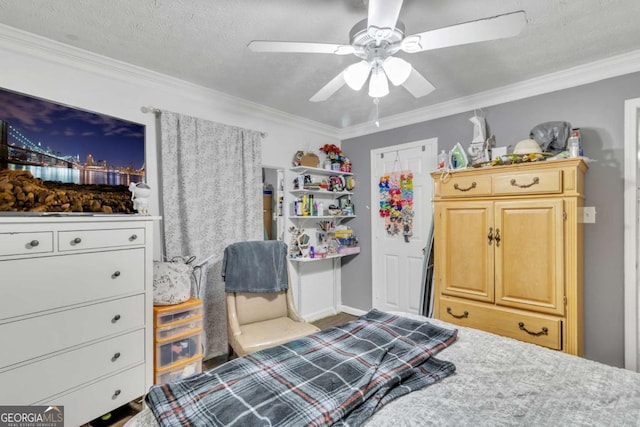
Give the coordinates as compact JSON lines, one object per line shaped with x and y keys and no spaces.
{"x":503,"y":382}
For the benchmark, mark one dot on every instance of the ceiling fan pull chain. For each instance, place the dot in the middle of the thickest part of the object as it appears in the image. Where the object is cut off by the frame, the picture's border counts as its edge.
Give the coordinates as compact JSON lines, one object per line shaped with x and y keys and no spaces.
{"x":376,"y":101}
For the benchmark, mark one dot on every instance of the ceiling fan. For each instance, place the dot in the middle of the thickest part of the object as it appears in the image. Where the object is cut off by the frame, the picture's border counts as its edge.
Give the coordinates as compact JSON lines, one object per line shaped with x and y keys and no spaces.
{"x":376,"y":39}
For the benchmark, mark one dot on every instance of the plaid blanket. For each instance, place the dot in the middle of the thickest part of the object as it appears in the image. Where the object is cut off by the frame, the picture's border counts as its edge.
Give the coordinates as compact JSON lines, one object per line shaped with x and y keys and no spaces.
{"x":339,"y":376}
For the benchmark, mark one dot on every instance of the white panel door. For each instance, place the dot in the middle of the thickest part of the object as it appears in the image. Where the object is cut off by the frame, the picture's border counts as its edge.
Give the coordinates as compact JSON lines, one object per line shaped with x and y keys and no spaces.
{"x":397,"y":262}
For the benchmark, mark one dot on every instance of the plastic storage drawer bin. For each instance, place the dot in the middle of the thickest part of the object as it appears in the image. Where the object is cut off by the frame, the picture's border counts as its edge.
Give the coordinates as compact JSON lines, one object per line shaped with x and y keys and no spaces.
{"x":178,"y":349}
{"x":168,"y":314}
{"x":181,"y":371}
{"x":176,"y":329}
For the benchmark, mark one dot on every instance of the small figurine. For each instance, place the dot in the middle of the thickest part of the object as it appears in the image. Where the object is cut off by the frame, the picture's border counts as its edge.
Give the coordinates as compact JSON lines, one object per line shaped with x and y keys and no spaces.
{"x":140,"y":193}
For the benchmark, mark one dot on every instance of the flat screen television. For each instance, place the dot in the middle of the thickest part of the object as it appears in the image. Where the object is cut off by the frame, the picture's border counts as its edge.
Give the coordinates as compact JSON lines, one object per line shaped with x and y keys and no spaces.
{"x":56,"y":158}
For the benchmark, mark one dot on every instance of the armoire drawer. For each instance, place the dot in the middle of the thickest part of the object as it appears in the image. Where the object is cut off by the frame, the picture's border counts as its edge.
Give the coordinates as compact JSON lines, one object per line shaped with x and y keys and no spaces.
{"x":96,"y":239}
{"x":39,"y":380}
{"x":534,"y":182}
{"x":37,"y":242}
{"x":537,"y":329}
{"x":36,"y":284}
{"x":465,"y":186}
{"x":35,"y":337}
{"x":82,"y":405}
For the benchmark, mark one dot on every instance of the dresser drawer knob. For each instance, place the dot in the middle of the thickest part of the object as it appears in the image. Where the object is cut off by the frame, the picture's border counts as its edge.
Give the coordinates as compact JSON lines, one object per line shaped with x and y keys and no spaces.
{"x":133,"y":237}
{"x":458,"y":316}
{"x":34,"y":243}
{"x":116,"y":273}
{"x":116,"y":393}
{"x":544,"y":331}
{"x":535,"y":181}
{"x":115,"y":357}
{"x":471,"y":187}
{"x":115,"y":318}
{"x":77,"y":241}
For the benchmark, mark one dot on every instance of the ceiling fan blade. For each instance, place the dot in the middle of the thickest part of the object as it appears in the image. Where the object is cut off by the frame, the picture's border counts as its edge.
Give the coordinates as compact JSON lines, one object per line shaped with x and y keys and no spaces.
{"x":382,"y":18}
{"x":329,"y":89}
{"x":299,"y":47}
{"x":497,"y":27}
{"x":417,"y":85}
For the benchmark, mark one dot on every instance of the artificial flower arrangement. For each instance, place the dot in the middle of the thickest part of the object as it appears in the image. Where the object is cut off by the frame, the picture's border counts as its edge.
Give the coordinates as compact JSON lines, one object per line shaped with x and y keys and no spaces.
{"x":334,"y":153}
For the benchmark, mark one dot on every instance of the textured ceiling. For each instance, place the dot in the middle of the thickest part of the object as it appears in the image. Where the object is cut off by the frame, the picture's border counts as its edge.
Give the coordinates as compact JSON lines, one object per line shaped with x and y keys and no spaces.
{"x":205,"y":42}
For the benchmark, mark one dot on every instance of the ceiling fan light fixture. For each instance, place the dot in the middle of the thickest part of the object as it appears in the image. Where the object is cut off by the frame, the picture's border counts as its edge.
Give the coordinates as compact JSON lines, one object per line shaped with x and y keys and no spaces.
{"x":397,"y":70}
{"x":378,"y":85}
{"x":356,"y":74}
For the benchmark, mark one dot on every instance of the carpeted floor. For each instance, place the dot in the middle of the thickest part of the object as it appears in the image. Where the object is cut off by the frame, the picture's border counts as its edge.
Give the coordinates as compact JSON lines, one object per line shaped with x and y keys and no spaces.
{"x":118,"y":417}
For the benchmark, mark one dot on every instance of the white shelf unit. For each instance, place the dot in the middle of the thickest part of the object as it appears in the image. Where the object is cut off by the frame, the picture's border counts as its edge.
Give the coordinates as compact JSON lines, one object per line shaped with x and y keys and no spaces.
{"x":314,"y":267}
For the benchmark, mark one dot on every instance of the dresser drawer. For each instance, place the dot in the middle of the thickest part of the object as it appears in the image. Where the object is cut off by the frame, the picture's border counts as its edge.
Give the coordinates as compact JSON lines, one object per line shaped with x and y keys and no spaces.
{"x":26,"y":243}
{"x":35,"y":336}
{"x":508,"y":323}
{"x":36,"y":284}
{"x":465,"y":186}
{"x":96,"y":239}
{"x":40,"y":380}
{"x":535,"y":182}
{"x":85,"y":404}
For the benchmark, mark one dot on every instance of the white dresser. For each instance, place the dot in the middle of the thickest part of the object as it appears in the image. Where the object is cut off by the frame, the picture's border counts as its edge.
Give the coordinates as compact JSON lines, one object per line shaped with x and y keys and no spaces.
{"x":76,"y":321}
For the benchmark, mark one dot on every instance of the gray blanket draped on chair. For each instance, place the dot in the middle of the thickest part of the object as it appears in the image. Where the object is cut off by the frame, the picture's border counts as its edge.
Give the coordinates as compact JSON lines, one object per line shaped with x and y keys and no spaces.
{"x":255,"y":266}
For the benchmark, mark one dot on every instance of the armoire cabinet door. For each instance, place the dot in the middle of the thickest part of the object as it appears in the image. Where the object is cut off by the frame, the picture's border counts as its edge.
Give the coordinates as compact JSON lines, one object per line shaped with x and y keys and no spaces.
{"x":465,"y":260}
{"x":529,"y":255}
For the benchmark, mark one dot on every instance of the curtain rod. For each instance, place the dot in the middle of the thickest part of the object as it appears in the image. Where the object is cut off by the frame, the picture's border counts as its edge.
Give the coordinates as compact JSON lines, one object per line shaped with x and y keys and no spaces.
{"x":157,"y":111}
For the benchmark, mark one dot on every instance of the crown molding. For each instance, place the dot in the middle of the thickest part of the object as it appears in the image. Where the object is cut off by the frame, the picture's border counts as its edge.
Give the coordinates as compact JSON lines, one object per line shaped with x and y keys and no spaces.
{"x":576,"y":76}
{"x":26,"y":43}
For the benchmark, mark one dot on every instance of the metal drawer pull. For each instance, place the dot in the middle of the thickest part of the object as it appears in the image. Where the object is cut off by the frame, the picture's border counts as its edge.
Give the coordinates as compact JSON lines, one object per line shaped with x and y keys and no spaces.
{"x":544,"y":331}
{"x":462,"y":316}
{"x":116,"y":273}
{"x":116,"y":393}
{"x":535,"y":181}
{"x":133,"y":237}
{"x":497,"y":237}
{"x":472,"y":186}
{"x":115,"y":357}
{"x":115,"y":318}
{"x":34,"y":243}
{"x":490,"y":236}
{"x":77,"y":240}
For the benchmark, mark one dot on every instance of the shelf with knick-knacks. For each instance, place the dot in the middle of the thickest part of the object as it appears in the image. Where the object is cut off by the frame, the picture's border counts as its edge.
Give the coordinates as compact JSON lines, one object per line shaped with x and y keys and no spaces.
{"x":324,"y":196}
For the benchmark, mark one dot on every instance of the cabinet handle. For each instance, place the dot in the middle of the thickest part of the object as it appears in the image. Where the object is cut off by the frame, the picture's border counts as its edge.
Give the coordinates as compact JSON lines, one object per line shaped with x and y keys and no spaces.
{"x":535,"y":181}
{"x":115,"y":318}
{"x":472,"y":186}
{"x":490,"y":236}
{"x":461,"y":316}
{"x":497,"y":237}
{"x":544,"y":331}
{"x":34,"y":243}
{"x":116,"y":393}
{"x":133,"y":237}
{"x":77,"y":240}
{"x":115,"y":357}
{"x":116,"y":273}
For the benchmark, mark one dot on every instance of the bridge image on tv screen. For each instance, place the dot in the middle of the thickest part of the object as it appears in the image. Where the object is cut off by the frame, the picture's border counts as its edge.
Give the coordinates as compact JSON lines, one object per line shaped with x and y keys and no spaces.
{"x":63,"y":144}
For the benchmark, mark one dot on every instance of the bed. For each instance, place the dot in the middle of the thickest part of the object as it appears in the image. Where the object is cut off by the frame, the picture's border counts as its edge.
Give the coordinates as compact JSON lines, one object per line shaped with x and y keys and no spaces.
{"x":498,"y":381}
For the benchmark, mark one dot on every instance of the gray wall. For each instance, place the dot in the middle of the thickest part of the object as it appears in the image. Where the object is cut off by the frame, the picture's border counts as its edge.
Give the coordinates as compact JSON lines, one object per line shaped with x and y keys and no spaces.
{"x":598,"y":109}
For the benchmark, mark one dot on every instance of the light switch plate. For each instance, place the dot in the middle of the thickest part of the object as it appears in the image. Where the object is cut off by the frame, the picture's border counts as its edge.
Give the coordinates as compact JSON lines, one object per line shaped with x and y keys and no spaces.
{"x":589,"y":215}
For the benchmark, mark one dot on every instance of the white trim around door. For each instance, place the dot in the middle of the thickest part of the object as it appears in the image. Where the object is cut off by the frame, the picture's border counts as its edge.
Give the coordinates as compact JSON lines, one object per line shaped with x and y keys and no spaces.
{"x":631,"y":314}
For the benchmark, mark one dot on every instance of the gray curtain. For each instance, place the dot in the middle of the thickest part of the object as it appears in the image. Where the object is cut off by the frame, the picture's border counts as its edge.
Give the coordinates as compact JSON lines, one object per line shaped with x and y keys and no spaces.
{"x":211,"y":196}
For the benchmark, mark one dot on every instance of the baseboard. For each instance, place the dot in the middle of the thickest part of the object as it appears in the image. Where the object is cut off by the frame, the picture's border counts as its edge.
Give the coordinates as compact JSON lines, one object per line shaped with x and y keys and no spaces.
{"x":312,"y":317}
{"x":351,"y":310}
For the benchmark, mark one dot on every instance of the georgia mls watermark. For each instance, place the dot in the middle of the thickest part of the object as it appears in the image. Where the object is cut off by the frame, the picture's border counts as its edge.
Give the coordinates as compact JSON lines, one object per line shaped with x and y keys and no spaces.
{"x":31,"y":416}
